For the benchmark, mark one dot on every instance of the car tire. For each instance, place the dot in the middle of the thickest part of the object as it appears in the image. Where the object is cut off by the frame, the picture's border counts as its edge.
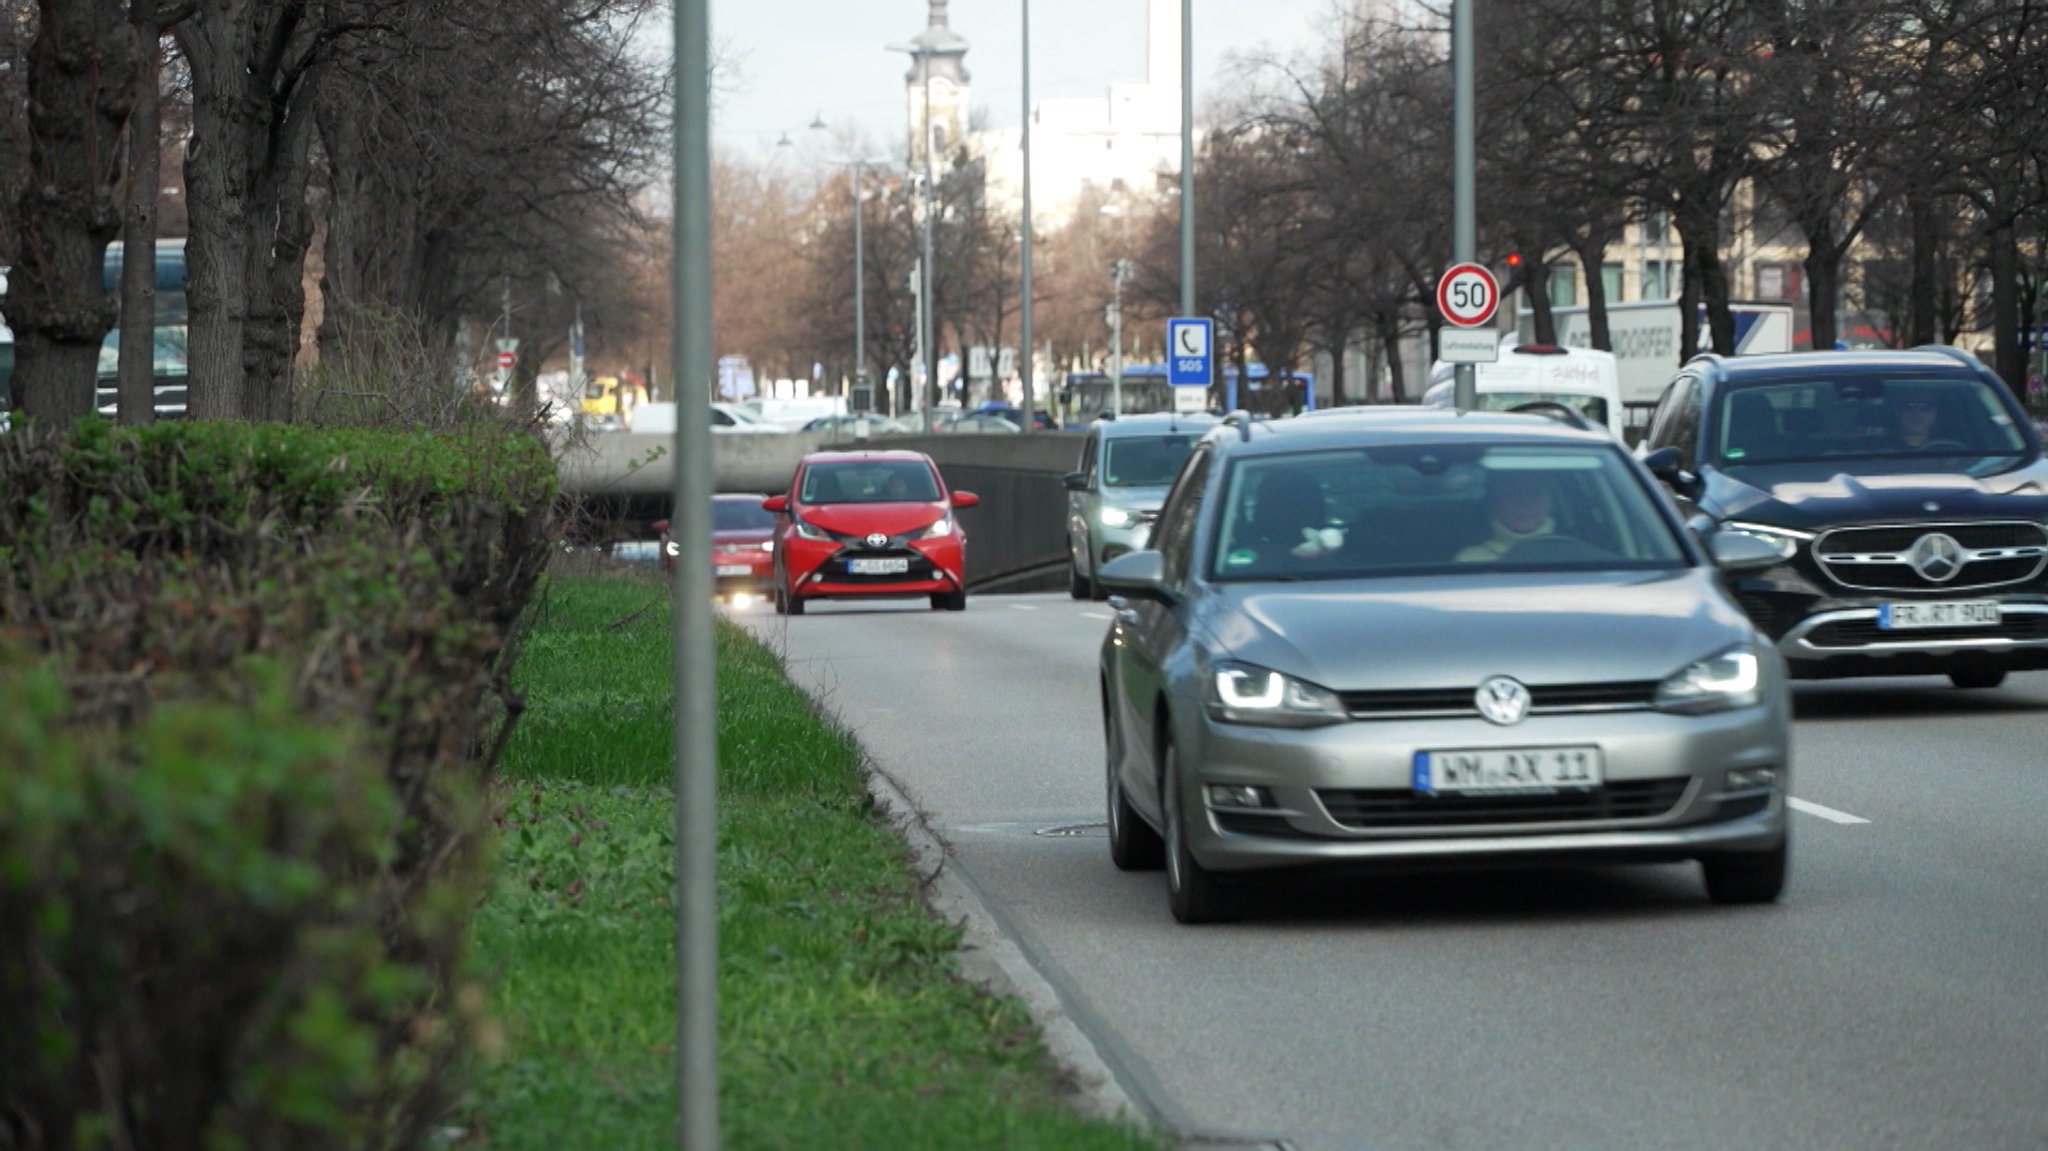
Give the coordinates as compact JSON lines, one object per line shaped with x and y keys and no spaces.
{"x":956,"y":601}
{"x":1078,"y":585}
{"x":938,"y":599}
{"x":1133,"y":844}
{"x":1193,"y":894}
{"x":1750,"y":877}
{"x":1977,"y":679}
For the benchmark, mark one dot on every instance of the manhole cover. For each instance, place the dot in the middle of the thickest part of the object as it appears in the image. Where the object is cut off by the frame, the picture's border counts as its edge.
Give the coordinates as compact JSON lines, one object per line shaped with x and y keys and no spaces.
{"x":1074,"y":830}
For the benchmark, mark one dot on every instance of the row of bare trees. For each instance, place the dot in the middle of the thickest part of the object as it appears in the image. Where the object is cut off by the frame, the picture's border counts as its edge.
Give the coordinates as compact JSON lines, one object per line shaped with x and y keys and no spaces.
{"x":438,"y":160}
{"x":1901,"y":140}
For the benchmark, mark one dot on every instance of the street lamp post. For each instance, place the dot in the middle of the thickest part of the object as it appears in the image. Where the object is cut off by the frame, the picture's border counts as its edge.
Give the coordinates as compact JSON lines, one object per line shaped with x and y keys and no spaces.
{"x":1024,"y":340}
{"x":1187,"y":157}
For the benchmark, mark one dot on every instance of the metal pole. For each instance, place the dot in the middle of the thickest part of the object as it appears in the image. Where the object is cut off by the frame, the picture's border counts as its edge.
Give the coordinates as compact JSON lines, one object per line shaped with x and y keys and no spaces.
{"x":1464,"y":214}
{"x":931,"y":204}
{"x":860,"y":282}
{"x":696,"y":693}
{"x":1187,"y":157}
{"x":1024,"y":338}
{"x":1116,"y":335}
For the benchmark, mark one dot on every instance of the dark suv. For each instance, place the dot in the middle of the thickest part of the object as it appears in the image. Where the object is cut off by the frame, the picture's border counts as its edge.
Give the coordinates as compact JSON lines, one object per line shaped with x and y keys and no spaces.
{"x":1906,"y":492}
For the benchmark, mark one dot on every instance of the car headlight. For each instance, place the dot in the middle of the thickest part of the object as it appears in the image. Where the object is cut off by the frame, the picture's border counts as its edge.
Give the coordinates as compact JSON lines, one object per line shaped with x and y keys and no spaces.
{"x":1723,"y":682}
{"x":943,"y":526}
{"x":767,"y":545}
{"x":810,"y":533}
{"x":1118,"y":517}
{"x":673,"y":548}
{"x":1242,"y":693}
{"x":1784,"y":540}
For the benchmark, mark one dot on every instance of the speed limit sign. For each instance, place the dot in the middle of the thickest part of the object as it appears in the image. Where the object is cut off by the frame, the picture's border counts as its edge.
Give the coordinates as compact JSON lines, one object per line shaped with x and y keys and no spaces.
{"x":1467,"y":294}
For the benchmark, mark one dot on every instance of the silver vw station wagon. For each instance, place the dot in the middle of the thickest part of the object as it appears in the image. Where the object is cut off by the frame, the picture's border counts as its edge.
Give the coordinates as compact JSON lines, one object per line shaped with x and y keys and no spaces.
{"x":1429,"y":638}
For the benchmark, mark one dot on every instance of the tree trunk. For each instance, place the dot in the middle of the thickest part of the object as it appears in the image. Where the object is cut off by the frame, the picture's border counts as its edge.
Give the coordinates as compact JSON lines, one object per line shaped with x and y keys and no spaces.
{"x":280,"y":229}
{"x":1390,"y":345}
{"x":135,"y":390}
{"x":1699,"y":229}
{"x":2009,"y":358}
{"x":1591,"y":252}
{"x":1920,"y":302}
{"x":217,"y":45}
{"x":1336,"y":351}
{"x":81,"y":82}
{"x":1537,"y":283}
{"x":1823,"y":266}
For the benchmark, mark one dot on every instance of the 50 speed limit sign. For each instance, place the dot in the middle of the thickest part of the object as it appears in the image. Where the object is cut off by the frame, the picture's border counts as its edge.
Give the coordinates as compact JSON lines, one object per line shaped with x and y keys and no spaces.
{"x":1467,"y":294}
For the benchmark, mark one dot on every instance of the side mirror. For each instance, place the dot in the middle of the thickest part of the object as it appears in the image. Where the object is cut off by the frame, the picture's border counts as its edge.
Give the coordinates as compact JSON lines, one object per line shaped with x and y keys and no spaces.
{"x":777,"y":504}
{"x":1140,"y":574}
{"x":1669,"y":466}
{"x":1740,"y":552}
{"x":1075,"y":481}
{"x":965,"y":499}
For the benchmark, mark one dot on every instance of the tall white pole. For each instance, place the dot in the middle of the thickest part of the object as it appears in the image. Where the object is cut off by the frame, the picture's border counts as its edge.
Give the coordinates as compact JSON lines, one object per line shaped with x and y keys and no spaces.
{"x":1024,"y":337}
{"x":931,"y":204}
{"x":696,"y":689}
{"x":860,"y":284}
{"x":1464,"y":212}
{"x":1187,"y":157}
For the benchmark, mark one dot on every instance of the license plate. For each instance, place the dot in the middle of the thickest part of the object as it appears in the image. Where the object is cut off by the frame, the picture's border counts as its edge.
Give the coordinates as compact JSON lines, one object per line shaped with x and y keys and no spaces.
{"x":878,"y":566}
{"x":1955,"y":613}
{"x":734,"y":569}
{"x":1497,"y":770}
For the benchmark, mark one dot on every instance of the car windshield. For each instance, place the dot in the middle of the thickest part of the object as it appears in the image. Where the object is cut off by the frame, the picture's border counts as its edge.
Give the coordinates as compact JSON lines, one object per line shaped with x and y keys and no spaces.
{"x":742,"y":515}
{"x":869,"y":482}
{"x":1862,"y":415}
{"x":1592,"y":407}
{"x":1140,"y":461}
{"x":1415,"y":508}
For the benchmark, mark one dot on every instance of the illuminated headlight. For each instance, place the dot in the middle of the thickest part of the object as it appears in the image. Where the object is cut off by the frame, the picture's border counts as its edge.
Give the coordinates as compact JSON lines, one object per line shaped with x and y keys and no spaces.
{"x":673,"y":548}
{"x":1722,"y":682}
{"x":767,"y":545}
{"x":1241,"y":693}
{"x":810,"y":533}
{"x":943,"y":526}
{"x":1784,"y":540}
{"x":1118,"y":517}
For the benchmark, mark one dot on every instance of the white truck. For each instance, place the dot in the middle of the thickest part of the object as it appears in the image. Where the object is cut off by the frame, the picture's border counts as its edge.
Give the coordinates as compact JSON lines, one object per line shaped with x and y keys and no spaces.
{"x":1645,"y":339}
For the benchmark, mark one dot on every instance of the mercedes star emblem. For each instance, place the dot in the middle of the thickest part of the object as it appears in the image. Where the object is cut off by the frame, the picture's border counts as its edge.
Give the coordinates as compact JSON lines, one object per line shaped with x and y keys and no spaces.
{"x":1502,"y":700}
{"x":1936,"y":557}
{"x":877,"y":540}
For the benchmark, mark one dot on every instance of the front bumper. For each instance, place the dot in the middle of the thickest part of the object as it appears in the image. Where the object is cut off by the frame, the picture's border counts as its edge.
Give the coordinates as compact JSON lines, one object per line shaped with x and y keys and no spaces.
{"x":824,"y":569}
{"x":1344,"y":794}
{"x":1830,"y":635}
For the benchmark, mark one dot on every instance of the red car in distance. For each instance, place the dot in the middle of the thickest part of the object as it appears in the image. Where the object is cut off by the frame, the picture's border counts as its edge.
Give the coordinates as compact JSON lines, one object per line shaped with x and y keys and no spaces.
{"x":742,"y":549}
{"x":861,"y":524}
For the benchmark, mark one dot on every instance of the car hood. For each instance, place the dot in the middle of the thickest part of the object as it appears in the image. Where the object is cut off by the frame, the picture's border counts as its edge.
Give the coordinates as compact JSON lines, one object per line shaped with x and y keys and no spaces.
{"x":860,"y":519}
{"x":740,"y":539}
{"x":1454,"y":631}
{"x":1812,"y":499}
{"x":1145,"y":498}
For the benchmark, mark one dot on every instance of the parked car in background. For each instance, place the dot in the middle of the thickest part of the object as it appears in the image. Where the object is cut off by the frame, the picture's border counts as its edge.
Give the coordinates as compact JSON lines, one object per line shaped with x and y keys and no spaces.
{"x":869,"y":524}
{"x":1410,"y":638}
{"x":978,"y":423}
{"x":1905,"y":494}
{"x":1119,"y":482}
{"x":1044,"y":420}
{"x":742,"y":548}
{"x":732,"y":418}
{"x":857,"y":426}
{"x":1583,"y":379}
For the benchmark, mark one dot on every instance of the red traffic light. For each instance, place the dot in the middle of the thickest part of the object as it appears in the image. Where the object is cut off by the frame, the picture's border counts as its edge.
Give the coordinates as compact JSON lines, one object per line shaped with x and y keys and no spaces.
{"x":1514,"y":259}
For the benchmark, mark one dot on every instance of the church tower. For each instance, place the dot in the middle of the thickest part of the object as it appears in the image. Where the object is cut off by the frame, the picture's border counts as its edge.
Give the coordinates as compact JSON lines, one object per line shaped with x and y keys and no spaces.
{"x":937,"y":67}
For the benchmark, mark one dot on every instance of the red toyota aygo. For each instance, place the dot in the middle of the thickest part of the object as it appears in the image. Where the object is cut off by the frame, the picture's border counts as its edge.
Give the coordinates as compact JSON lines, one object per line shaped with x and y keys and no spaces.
{"x":861,"y":524}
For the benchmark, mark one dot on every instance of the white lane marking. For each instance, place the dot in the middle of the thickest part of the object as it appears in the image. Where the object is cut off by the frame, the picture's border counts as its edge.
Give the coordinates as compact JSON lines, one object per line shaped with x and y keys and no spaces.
{"x":1023,"y":607}
{"x":1827,"y":813}
{"x":1098,"y":615}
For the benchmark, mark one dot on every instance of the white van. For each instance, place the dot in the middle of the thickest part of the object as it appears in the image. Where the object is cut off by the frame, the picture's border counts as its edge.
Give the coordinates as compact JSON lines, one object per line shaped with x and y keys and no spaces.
{"x":1584,"y":379}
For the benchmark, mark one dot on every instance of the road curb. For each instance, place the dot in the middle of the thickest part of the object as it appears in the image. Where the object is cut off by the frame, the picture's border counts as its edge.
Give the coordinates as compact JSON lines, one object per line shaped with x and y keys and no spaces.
{"x":993,"y":961}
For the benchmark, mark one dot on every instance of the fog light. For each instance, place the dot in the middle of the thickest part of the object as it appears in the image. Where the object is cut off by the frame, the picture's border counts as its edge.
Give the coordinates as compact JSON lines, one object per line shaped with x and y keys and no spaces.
{"x":1748,"y":778}
{"x":742,"y":600}
{"x":1236,"y":795}
{"x":817,"y":577}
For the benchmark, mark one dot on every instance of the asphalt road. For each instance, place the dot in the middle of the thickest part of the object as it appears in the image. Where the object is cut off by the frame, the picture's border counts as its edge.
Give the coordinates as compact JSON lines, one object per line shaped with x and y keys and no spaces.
{"x":1897,"y":997}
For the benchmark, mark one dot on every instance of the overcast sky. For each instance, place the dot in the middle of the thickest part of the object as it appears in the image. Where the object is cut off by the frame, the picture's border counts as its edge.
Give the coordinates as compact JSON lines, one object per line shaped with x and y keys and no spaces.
{"x":796,"y":59}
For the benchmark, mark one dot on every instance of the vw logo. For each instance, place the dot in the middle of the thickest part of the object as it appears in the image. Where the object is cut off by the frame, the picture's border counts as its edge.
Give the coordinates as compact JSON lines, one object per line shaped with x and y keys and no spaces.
{"x":1936,"y":557}
{"x":1502,"y":700}
{"x":877,"y":540}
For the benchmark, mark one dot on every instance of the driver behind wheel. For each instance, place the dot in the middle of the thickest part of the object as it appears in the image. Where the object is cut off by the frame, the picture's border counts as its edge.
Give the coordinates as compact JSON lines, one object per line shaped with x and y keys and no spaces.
{"x":1518,"y":509}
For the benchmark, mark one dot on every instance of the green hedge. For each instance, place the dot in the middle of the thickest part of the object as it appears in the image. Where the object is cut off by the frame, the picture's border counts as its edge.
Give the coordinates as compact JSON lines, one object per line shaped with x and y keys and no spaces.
{"x":254,"y":679}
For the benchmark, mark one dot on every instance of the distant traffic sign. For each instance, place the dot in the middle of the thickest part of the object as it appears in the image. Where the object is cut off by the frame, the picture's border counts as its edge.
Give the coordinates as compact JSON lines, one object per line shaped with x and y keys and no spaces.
{"x":1467,"y":295}
{"x":507,"y":359}
{"x":1190,"y":351}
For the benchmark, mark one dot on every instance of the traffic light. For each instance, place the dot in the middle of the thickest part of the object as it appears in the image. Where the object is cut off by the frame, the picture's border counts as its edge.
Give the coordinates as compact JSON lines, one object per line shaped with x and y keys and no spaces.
{"x":1514,"y":261}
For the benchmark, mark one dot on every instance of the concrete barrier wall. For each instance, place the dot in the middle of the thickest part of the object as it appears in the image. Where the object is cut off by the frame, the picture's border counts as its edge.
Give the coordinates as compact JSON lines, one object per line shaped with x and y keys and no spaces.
{"x":1016,"y":537}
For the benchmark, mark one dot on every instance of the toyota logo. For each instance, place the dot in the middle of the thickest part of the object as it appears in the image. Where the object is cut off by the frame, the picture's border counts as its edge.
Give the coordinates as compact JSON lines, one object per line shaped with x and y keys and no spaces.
{"x":1936,"y":557}
{"x":877,"y":540}
{"x":1502,"y":700}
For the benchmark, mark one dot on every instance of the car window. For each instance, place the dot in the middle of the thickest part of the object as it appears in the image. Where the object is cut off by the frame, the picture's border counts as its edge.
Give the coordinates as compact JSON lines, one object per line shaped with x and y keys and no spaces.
{"x":1864,"y":415}
{"x":1140,"y":461}
{"x":740,"y":516}
{"x":721,"y":419}
{"x":1088,"y":453}
{"x":1175,"y":537}
{"x":868,"y":482}
{"x":1408,"y":509}
{"x":1676,"y":395}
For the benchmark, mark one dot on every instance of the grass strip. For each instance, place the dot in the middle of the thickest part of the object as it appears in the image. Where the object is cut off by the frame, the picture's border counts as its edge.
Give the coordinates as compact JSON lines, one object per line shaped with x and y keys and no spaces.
{"x":843,"y":1020}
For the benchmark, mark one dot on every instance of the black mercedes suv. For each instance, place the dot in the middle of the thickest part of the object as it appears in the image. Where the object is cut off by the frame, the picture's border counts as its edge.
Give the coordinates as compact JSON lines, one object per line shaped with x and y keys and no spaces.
{"x":1906,"y":492}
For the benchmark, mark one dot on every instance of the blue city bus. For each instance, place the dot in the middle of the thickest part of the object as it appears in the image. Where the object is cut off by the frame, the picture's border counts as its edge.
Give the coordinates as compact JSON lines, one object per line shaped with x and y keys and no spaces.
{"x":172,"y":368}
{"x":1086,"y":395}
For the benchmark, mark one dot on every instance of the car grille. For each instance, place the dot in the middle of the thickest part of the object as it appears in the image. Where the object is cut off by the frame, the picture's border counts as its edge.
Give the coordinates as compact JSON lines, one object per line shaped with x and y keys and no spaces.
{"x":1444,"y":703}
{"x":1764,"y":612}
{"x":1875,"y":558}
{"x":1394,"y":809}
{"x":1865,"y":632}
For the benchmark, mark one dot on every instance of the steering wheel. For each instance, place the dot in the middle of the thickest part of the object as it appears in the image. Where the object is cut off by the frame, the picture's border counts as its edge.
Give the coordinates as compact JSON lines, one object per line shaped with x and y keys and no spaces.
{"x":1556,"y":548}
{"x":1958,"y":445}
